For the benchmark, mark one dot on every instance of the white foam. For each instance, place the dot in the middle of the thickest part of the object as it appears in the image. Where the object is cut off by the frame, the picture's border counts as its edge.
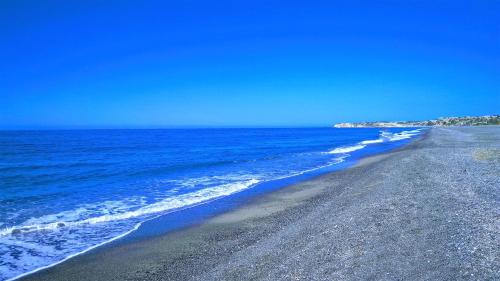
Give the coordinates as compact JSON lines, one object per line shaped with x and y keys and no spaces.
{"x":372,"y":141}
{"x":399,"y":136}
{"x":385,"y":136}
{"x":166,"y":204}
{"x":347,"y":149}
{"x":75,"y":254}
{"x":335,"y":161}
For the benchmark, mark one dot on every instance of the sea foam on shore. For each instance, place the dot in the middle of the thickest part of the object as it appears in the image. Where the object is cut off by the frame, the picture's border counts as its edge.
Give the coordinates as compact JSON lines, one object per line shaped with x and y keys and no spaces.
{"x":385,"y":136}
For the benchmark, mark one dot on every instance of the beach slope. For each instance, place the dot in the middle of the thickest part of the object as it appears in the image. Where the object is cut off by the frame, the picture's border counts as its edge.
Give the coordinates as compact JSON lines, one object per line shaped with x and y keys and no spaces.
{"x":428,"y":211}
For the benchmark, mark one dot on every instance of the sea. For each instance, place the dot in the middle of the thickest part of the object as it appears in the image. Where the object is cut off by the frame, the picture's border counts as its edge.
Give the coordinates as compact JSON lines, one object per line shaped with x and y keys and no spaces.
{"x":63,"y":192}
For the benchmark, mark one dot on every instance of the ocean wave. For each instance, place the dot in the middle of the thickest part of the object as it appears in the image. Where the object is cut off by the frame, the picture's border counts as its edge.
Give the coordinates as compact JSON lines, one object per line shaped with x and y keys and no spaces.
{"x":385,"y":136}
{"x":388,"y":136}
{"x":164,"y":205}
{"x":123,"y":210}
{"x":372,"y":141}
{"x":346,"y":149}
{"x":37,"y":262}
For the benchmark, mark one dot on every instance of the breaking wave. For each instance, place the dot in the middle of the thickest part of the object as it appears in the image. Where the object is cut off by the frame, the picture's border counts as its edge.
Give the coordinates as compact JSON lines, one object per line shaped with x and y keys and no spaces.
{"x":385,"y":136}
{"x":347,"y":149}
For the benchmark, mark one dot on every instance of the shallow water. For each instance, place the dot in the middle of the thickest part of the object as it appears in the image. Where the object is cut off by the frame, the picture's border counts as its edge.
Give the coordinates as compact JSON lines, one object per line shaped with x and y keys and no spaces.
{"x":62,"y":192}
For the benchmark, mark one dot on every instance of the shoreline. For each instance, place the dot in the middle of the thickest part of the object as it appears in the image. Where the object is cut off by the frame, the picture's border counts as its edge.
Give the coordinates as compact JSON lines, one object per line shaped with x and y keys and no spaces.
{"x":221,"y":241}
{"x":248,"y":203}
{"x":260,"y":189}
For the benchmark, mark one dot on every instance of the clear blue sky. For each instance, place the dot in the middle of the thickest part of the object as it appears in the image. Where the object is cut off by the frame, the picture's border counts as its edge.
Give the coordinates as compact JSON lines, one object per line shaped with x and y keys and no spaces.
{"x":251,"y":63}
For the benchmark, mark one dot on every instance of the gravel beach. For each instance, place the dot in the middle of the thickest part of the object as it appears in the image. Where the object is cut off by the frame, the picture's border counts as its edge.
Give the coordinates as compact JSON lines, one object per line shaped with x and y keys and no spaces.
{"x":428,"y":211}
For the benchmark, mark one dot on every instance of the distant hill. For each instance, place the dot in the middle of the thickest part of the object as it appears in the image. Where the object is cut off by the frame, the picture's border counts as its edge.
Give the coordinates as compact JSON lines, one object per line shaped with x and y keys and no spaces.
{"x":444,"y":121}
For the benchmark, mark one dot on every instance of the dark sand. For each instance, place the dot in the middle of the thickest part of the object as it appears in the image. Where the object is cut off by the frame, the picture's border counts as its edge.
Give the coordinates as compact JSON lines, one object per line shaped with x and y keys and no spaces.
{"x":429,"y":211}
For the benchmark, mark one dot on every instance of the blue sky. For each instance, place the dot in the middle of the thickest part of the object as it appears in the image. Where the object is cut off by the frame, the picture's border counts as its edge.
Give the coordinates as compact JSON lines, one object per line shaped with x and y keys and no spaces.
{"x":119,"y":64}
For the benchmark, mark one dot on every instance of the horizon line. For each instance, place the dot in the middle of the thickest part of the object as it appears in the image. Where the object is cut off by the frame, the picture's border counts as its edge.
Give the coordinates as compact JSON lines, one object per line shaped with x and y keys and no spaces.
{"x":84,"y":128}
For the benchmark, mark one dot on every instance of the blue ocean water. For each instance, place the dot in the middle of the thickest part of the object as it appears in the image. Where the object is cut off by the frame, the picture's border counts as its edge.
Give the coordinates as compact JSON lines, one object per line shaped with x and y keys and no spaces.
{"x":62,"y":192}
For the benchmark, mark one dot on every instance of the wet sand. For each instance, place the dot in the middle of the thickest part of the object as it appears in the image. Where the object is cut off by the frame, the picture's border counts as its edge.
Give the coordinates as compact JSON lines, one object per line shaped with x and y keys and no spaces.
{"x":428,"y":211}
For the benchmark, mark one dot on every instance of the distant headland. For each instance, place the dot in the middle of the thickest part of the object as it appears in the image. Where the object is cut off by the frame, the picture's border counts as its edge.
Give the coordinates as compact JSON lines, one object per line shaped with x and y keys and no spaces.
{"x":443,"y":121}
